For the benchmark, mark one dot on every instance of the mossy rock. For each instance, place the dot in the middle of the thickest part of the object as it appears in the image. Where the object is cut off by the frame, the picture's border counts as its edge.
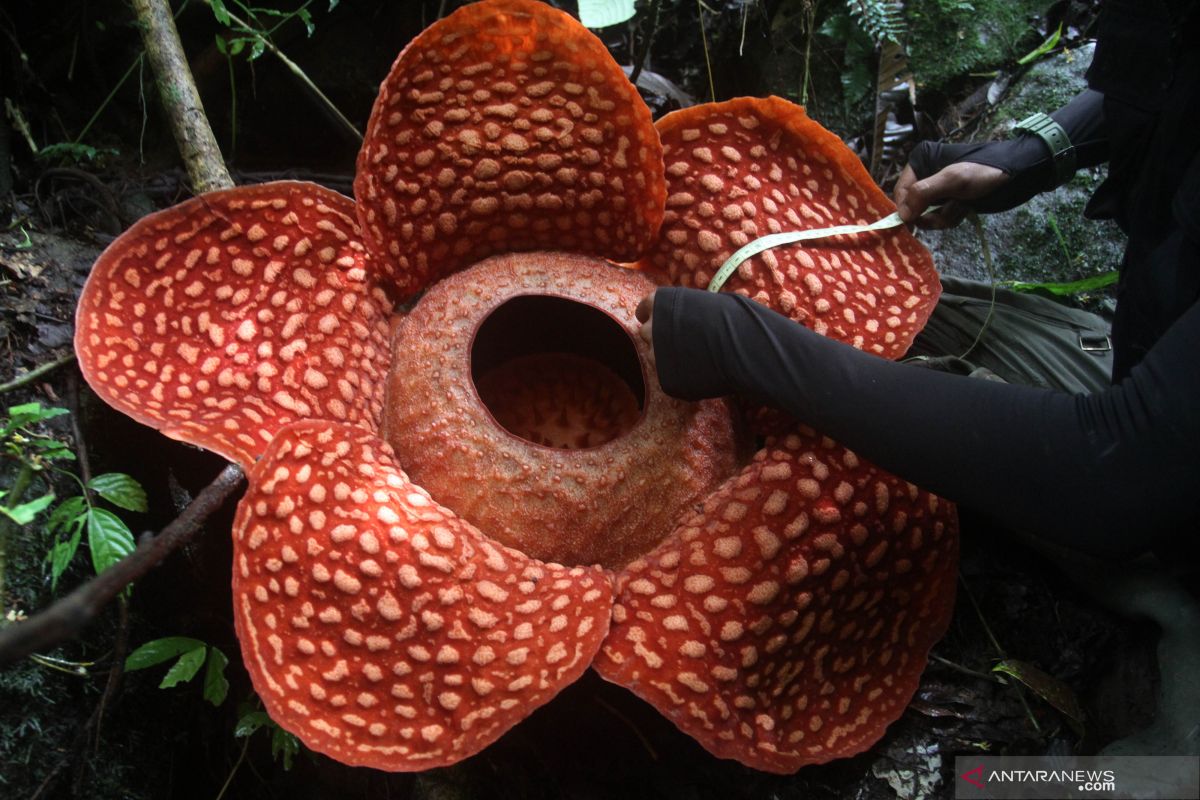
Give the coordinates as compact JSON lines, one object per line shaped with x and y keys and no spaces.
{"x":948,"y":39}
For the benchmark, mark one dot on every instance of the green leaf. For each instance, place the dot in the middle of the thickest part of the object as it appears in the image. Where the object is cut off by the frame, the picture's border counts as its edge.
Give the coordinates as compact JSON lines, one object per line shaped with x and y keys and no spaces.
{"x":237,"y":47}
{"x":222,"y":48}
{"x":67,"y":515}
{"x":108,"y":537}
{"x":257,"y":49}
{"x":602,"y":13}
{"x":1090,"y":284}
{"x":220,"y":12}
{"x":250,"y":722}
{"x":306,"y":18}
{"x":160,"y":650}
{"x":1042,"y":49}
{"x":216,"y":685}
{"x":120,"y":490}
{"x":24,"y":513}
{"x":332,"y":4}
{"x":28,"y":414}
{"x":185,"y":668}
{"x":61,"y":554}
{"x":285,"y":744}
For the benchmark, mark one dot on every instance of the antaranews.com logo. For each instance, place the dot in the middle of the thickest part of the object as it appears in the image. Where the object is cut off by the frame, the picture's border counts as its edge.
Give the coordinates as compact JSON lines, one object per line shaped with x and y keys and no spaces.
{"x":1056,"y":778}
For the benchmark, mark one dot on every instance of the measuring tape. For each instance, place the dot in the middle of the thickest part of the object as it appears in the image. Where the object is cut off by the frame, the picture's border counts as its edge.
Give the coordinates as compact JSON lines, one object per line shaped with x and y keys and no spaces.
{"x":776,"y":239}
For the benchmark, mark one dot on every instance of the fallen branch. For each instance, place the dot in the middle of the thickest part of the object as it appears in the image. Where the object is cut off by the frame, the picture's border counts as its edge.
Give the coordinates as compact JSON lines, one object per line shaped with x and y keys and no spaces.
{"x":66,"y":617}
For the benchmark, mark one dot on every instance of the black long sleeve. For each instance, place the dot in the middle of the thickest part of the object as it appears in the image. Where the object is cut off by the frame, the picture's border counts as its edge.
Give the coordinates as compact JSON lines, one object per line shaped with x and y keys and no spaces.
{"x":1103,"y":473}
{"x":1026,"y":159}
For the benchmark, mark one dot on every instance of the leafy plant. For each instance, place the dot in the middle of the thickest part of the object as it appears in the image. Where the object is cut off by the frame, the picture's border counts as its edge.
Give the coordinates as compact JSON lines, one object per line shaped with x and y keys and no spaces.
{"x":109,"y":538}
{"x":190,"y":655}
{"x":880,"y":19}
{"x":255,"y":31}
{"x":282,"y":743}
{"x":74,"y":153}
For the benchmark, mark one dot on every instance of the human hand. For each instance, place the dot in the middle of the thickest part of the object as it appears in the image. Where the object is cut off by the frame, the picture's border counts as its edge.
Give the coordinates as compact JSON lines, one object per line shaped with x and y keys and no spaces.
{"x":645,"y":315}
{"x":965,"y":180}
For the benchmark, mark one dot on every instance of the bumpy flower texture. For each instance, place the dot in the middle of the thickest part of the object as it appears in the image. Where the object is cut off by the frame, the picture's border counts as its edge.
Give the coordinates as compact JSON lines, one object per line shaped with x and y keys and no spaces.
{"x":456,"y":508}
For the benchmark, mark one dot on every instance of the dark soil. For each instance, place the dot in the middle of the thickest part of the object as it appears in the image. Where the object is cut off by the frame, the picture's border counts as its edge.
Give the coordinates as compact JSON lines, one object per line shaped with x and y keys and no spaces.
{"x":595,"y":740}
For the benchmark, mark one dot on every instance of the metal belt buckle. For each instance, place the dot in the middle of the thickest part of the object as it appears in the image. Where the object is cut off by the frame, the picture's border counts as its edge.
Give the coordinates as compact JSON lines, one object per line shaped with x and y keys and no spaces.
{"x":1095,"y":343}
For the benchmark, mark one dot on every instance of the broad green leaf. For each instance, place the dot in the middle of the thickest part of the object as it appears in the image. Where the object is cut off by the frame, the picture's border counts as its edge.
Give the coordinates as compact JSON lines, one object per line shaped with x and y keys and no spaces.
{"x":185,"y":668}
{"x":602,"y":13}
{"x":220,"y":12}
{"x":257,"y":49}
{"x":250,"y":722}
{"x":237,"y":47}
{"x":24,"y":513}
{"x":120,"y":490}
{"x":216,"y":685}
{"x":61,"y":555}
{"x":108,"y":537}
{"x":221,"y":46}
{"x":160,"y":650}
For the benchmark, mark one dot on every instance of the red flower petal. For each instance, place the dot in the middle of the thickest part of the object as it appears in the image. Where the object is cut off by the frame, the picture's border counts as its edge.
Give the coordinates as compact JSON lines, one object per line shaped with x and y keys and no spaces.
{"x":223,"y":318}
{"x":505,"y":127}
{"x":750,"y":167}
{"x":380,"y":628}
{"x":788,"y":623}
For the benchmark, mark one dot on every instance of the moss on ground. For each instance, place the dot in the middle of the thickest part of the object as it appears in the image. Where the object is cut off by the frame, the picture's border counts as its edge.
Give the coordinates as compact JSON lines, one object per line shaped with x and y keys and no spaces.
{"x":948,"y":39}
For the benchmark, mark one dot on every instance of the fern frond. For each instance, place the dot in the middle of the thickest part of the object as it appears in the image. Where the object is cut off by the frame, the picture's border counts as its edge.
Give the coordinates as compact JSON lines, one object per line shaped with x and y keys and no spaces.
{"x":882,"y":20}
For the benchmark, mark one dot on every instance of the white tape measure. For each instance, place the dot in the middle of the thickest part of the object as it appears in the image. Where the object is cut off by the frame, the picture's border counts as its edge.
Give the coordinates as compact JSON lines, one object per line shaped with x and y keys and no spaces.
{"x":776,"y":239}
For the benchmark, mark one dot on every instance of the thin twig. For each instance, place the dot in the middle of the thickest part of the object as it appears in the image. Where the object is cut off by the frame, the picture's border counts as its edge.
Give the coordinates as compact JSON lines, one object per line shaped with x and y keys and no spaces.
{"x":66,"y":617}
{"x":35,"y":373}
{"x":644,"y":53}
{"x":295,"y":69}
{"x":974,"y":673}
{"x":232,"y":772}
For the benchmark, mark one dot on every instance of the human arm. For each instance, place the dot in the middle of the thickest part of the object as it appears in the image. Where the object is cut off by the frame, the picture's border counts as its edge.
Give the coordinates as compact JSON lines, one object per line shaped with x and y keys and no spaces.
{"x":1094,"y":472}
{"x":994,"y":176}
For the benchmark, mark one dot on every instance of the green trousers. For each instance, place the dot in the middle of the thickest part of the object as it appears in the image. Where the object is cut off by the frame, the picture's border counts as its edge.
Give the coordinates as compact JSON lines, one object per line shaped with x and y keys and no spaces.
{"x":1022,"y":338}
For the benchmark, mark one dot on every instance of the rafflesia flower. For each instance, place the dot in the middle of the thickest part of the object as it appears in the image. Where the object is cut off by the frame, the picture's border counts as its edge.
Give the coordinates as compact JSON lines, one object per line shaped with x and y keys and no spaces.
{"x":454,"y":510}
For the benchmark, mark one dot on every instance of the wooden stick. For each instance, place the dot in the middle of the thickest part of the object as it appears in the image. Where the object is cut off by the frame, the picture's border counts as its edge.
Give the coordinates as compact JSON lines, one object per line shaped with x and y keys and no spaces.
{"x":180,"y":99}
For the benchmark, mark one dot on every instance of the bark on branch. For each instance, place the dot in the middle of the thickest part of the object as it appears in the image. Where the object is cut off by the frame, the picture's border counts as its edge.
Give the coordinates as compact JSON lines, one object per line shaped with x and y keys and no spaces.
{"x":193,"y":135}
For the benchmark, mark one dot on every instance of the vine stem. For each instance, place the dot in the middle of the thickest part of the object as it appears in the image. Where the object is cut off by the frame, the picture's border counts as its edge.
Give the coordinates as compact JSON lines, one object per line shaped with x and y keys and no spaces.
{"x":66,"y":617}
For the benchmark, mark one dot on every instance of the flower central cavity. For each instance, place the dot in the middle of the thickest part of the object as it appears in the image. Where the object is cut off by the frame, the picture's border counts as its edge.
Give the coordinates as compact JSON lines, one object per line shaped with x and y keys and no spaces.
{"x":518,"y":396}
{"x":557,"y":372}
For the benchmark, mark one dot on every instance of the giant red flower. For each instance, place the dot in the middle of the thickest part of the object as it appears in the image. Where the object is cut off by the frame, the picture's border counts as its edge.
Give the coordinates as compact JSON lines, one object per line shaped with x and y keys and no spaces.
{"x":449,"y":522}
